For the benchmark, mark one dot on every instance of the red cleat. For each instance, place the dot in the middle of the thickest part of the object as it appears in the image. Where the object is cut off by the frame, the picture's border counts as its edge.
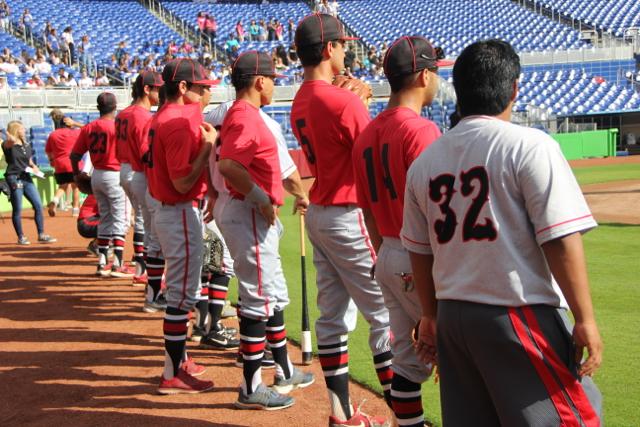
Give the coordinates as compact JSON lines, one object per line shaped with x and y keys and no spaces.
{"x":139,"y":280}
{"x":192,"y":368}
{"x":183,"y":383}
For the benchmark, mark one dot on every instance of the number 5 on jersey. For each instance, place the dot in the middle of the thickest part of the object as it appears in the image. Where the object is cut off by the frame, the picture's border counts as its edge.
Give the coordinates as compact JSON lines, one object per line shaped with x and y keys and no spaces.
{"x":442,"y":190}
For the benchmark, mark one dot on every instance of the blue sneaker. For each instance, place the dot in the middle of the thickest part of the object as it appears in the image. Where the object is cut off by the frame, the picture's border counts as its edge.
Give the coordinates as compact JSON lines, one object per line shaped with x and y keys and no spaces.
{"x":298,"y":379}
{"x":263,"y":398}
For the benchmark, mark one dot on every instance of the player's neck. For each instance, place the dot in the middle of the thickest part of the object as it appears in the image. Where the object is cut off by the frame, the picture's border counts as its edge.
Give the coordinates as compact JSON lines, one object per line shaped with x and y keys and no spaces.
{"x":251,"y":97}
{"x":322,"y":71}
{"x":144,"y":103}
{"x":407,"y":99}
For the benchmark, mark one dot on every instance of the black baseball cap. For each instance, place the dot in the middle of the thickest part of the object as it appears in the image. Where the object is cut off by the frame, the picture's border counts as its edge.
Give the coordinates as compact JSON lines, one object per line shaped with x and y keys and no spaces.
{"x":188,"y":70}
{"x":320,"y":28}
{"x":149,"y":78}
{"x":410,"y":54}
{"x":254,"y":63}
{"x":106,"y":102}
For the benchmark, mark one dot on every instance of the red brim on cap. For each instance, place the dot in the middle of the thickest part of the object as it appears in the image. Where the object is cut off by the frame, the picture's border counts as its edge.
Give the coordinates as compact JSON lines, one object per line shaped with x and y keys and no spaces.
{"x":279,"y":76}
{"x":445,"y":63}
{"x":350,"y":38}
{"x":207,"y":82}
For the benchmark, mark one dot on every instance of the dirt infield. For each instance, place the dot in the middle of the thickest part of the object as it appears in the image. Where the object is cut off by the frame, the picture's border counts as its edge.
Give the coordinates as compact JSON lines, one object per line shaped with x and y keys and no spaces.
{"x":78,"y":350}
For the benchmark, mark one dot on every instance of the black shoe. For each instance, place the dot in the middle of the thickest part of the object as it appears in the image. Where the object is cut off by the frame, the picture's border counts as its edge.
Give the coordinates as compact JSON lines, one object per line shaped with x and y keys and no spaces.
{"x":160,"y":304}
{"x":219,"y":340}
{"x":267,"y":360}
{"x":228,"y":330}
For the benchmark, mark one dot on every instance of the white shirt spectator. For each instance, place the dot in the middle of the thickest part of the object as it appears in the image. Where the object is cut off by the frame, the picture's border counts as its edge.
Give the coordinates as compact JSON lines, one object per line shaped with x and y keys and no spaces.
{"x":102,"y":81}
{"x":71,"y":82}
{"x":9,"y":68}
{"x":85,"y":82}
{"x":43,"y":67}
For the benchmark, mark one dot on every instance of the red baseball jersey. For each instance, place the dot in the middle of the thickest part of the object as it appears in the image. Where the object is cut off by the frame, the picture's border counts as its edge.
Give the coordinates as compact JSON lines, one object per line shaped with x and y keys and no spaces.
{"x":382,"y":155}
{"x":59,"y":146}
{"x":174,"y":143}
{"x":132,"y":130}
{"x":326,"y":120}
{"x":89,"y":209}
{"x":246,"y":139}
{"x":99,"y":138}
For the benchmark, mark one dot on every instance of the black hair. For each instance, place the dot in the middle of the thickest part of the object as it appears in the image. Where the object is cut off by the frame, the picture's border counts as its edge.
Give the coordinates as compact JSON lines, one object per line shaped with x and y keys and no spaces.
{"x":311,"y":55}
{"x":136,"y":91}
{"x":242,"y":82}
{"x":106,"y":109}
{"x":483,"y":77}
{"x":398,"y":83}
{"x":171,"y":89}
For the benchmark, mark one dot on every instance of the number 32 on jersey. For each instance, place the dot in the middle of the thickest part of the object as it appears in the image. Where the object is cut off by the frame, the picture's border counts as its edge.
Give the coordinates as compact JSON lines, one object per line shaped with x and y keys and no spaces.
{"x":442,"y":190}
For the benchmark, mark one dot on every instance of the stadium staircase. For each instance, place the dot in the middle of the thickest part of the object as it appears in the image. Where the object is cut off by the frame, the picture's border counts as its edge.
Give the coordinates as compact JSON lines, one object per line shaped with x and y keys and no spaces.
{"x":180,"y":26}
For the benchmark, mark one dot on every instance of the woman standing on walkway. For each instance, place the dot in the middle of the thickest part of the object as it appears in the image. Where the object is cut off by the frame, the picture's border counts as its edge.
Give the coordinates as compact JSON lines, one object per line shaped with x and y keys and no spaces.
{"x":18,"y":154}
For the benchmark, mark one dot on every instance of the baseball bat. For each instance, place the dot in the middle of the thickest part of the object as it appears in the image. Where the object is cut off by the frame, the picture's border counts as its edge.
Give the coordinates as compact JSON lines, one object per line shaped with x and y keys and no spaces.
{"x":305,"y":342}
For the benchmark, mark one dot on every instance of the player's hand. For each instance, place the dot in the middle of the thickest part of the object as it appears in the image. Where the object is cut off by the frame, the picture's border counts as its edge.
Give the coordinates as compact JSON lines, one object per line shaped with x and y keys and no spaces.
{"x":586,"y":335}
{"x":209,"y":134}
{"x":300,"y":205}
{"x":425,"y":340}
{"x":269,"y":213}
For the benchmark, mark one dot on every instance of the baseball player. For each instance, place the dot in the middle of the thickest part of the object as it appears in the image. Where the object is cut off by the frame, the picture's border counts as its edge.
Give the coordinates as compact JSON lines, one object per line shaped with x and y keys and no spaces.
{"x":131,"y":130}
{"x":326,"y":120}
{"x":179,"y":147}
{"x":492,"y":221}
{"x":58,"y":148}
{"x":99,"y":138}
{"x":250,"y":165}
{"x":291,"y":179}
{"x":381,"y":156}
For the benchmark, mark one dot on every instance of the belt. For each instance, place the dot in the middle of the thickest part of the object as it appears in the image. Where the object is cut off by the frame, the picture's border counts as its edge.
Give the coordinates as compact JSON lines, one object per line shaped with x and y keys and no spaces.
{"x":198,"y":203}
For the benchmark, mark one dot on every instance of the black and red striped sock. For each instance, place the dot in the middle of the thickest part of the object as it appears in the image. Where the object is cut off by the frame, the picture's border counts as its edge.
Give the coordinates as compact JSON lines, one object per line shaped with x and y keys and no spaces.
{"x":155,"y":268}
{"x":218,"y":288}
{"x":382,"y":362}
{"x":277,"y":338}
{"x":252,"y":339}
{"x":406,"y":402}
{"x":175,"y":336}
{"x":334,"y":359}
{"x":138,"y":253}
{"x":118,"y":250}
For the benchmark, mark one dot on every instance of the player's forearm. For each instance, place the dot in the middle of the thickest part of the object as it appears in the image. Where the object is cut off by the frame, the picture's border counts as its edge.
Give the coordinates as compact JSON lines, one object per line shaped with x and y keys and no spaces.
{"x":422,"y":267}
{"x":565,"y":257}
{"x":372,"y":228}
{"x":293,"y":184}
{"x":236,"y":175}
{"x":185,"y":184}
{"x":75,"y":160}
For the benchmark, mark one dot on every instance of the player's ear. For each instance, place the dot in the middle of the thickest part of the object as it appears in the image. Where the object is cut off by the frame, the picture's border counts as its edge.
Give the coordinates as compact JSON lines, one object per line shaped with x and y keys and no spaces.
{"x":258,"y":83}
{"x":182,"y":87}
{"x":423,"y":78}
{"x":327,"y":50}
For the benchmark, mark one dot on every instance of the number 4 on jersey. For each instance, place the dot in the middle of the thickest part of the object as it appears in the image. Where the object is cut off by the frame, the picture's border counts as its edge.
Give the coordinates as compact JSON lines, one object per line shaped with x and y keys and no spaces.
{"x":442,"y":190}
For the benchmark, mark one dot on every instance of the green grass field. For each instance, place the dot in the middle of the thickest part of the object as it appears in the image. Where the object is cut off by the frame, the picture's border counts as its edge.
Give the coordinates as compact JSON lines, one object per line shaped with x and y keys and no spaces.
{"x":612,"y":253}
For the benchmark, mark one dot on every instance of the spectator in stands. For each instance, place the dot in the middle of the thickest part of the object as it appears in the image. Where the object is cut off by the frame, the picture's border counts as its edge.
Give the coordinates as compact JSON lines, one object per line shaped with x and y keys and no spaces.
{"x":262,"y":30}
{"x":172,"y":48}
{"x":121,"y":50}
{"x":271,"y":30}
{"x":3,"y":82}
{"x":279,"y":30}
{"x":20,"y":166}
{"x":41,"y":65}
{"x":85,"y":55}
{"x":324,"y":7}
{"x":211,"y":26}
{"x":68,"y":44}
{"x":101,"y":79}
{"x":26,"y":23}
{"x":29,"y":67}
{"x":254,"y":32}
{"x":9,"y":66}
{"x":200,"y":21}
{"x":231,"y":43}
{"x":292,"y":54}
{"x":240,"y":31}
{"x":52,"y":44}
{"x":6,"y":54}
{"x":5,"y":12}
{"x":291,"y":27}
{"x":50,"y":83}
{"x":71,"y":81}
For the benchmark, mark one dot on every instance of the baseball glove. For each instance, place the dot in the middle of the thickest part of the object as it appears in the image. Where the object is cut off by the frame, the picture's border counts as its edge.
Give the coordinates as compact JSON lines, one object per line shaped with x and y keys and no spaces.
{"x":83,"y":181}
{"x":356,"y":86}
{"x":212,"y":259}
